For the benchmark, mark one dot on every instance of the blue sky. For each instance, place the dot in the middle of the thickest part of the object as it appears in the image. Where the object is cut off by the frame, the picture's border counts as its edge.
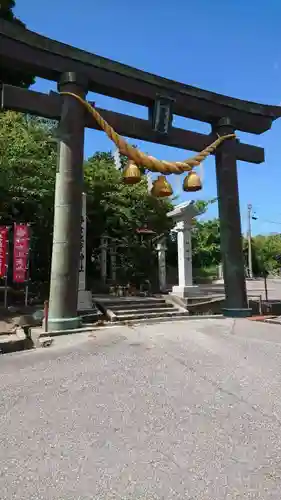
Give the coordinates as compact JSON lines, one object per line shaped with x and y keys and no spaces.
{"x":230,"y":47}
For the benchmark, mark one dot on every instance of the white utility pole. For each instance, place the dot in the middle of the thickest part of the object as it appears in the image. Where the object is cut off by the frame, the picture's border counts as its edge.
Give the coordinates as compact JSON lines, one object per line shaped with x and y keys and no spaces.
{"x":250,"y":263}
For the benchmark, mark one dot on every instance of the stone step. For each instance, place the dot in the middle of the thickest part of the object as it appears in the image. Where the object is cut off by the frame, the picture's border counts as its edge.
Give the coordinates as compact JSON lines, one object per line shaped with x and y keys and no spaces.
{"x":146,"y":310}
{"x":139,"y":307}
{"x":12,"y":343}
{"x":159,"y":319}
{"x":123,"y":309}
{"x":129,"y":302}
{"x":146,"y":315}
{"x":90,"y":317}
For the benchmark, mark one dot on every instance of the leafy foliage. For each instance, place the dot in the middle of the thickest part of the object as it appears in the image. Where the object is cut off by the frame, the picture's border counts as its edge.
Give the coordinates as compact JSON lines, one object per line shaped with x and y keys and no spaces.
{"x":266,"y":253}
{"x":119,"y":211}
{"x":28,"y":160}
{"x":206,"y":244}
{"x":27,"y":180}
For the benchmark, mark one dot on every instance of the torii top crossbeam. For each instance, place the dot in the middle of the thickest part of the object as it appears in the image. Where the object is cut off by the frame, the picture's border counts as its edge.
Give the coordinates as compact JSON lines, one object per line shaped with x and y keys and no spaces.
{"x":48,"y":59}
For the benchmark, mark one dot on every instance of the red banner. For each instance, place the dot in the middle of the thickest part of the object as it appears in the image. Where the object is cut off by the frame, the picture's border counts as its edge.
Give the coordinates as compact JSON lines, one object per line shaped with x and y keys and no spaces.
{"x":21,"y":251}
{"x":3,"y":251}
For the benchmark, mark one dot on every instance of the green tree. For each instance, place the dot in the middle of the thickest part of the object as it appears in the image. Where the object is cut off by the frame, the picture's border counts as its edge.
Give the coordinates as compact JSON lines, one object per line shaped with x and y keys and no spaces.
{"x":267,"y":251}
{"x":119,"y":211}
{"x":27,"y":179}
{"x":28,"y":159}
{"x":206,"y":244}
{"x":13,"y":76}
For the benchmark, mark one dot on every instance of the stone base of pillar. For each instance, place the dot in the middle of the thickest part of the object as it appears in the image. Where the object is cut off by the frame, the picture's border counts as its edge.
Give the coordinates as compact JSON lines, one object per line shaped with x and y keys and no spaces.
{"x":237,"y":313}
{"x":61,"y":324}
{"x":85,"y":300}
{"x":185,"y":291}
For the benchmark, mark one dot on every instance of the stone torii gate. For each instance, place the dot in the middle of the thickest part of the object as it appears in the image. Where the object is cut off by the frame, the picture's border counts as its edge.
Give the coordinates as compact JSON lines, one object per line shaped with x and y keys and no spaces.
{"x":78,"y":71}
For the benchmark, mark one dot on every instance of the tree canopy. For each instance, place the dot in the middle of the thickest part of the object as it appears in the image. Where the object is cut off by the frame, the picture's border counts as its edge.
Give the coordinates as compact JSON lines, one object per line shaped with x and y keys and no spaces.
{"x":266,"y":253}
{"x":28,"y":161}
{"x":13,"y":76}
{"x":27,"y":180}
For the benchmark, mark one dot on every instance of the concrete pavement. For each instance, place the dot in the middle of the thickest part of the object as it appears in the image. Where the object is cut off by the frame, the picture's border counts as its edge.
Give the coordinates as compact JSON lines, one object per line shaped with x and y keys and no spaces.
{"x":254,"y":287}
{"x":186,"y":410}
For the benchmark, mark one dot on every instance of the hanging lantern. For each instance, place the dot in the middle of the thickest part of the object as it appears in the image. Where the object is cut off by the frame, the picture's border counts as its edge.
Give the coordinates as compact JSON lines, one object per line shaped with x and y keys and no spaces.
{"x":131,"y":174}
{"x":161,"y":187}
{"x":192,"y":182}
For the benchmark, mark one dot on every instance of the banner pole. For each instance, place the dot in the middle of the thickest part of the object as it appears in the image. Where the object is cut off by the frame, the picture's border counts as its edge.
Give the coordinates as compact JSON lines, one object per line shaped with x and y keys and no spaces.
{"x":7,"y":268}
{"x":21,"y":253}
{"x":27,"y":270}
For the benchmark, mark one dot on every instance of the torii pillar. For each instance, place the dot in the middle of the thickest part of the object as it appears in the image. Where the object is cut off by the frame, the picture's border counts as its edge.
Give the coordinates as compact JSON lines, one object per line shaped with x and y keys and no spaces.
{"x":63,"y":314}
{"x":236,"y":304}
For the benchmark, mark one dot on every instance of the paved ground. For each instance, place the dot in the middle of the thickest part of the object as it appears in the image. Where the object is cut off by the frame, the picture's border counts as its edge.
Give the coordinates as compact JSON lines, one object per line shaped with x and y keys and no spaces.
{"x":273,"y":285}
{"x":187,"y":410}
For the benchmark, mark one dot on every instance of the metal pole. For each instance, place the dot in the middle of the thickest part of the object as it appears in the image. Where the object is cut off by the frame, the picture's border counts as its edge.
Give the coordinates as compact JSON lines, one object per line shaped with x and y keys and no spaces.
{"x":250,"y":260}
{"x":260,"y":304}
{"x":26,"y":295}
{"x":28,"y":268}
{"x":7,"y":269}
{"x":63,"y":313}
{"x":46,"y":313}
{"x":6,"y":291}
{"x":265,"y":286}
{"x":230,"y":225}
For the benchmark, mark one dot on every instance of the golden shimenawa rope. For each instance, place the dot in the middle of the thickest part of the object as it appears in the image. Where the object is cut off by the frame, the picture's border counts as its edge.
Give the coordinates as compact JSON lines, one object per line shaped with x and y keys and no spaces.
{"x":140,"y":158}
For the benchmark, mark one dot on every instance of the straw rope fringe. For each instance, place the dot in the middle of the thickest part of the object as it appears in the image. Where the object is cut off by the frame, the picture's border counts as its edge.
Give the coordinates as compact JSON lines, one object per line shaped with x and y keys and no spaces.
{"x":140,"y":158}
